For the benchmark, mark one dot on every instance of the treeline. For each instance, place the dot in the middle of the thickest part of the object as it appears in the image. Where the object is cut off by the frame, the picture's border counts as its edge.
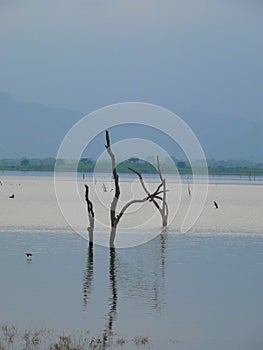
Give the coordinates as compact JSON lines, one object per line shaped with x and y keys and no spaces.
{"x":216,"y":167}
{"x":84,"y":165}
{"x":28,"y":164}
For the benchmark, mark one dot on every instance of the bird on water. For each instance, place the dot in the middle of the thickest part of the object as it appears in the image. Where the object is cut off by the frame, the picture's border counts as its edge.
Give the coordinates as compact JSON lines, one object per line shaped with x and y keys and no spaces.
{"x":216,"y":205}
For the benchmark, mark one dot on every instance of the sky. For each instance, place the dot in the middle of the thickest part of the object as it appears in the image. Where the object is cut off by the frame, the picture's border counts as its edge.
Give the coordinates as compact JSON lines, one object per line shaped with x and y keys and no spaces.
{"x":184,"y":55}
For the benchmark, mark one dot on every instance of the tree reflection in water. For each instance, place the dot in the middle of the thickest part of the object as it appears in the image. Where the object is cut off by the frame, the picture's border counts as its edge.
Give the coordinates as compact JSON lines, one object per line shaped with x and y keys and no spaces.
{"x":139,"y":271}
{"x":88,"y":277}
{"x":113,"y":297}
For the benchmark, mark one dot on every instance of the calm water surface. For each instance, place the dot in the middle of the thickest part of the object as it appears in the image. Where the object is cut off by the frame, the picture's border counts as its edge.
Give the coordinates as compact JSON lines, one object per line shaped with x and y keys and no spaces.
{"x":184,"y":292}
{"x":199,"y":291}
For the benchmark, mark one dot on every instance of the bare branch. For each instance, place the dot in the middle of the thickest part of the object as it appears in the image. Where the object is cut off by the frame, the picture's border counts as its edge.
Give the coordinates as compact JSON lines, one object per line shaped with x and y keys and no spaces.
{"x":145,"y":188}
{"x":158,"y":188}
{"x":126,"y":206}
{"x":149,"y":197}
{"x":107,"y":139}
{"x":164,"y":210}
{"x":138,"y":174}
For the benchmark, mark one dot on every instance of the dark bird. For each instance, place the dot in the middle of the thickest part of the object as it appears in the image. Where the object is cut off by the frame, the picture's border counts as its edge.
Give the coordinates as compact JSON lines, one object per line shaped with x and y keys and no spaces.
{"x":216,"y":205}
{"x":29,"y":255}
{"x":12,"y":196}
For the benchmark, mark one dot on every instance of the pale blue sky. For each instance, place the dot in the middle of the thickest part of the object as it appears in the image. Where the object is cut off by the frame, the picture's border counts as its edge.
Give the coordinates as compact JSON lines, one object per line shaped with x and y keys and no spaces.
{"x":185,"y":55}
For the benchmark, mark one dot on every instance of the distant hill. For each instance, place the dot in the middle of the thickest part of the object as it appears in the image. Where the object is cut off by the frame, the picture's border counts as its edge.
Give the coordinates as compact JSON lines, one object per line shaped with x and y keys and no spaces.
{"x":30,"y":129}
{"x":33,"y":130}
{"x":227,"y":137}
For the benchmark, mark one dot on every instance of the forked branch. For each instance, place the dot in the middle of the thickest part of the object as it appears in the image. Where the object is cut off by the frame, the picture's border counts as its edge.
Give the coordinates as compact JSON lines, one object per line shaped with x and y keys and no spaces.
{"x":150,"y":197}
{"x":163,"y":209}
{"x":145,"y":188}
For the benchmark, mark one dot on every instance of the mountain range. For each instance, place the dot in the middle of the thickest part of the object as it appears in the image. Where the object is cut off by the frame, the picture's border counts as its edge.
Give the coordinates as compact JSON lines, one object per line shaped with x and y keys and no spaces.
{"x":34,"y":130}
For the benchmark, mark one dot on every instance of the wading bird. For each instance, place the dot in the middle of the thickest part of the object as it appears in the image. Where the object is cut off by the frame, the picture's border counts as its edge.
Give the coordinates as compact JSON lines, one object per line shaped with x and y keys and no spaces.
{"x":216,"y":205}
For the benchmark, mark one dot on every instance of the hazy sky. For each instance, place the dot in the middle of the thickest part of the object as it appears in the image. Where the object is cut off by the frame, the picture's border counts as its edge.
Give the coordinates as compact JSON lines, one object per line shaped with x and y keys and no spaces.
{"x":185,"y":55}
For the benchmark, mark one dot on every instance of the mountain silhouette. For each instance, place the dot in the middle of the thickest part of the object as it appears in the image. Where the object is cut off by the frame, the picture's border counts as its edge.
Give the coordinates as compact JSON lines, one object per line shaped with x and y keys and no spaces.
{"x":34,"y":130}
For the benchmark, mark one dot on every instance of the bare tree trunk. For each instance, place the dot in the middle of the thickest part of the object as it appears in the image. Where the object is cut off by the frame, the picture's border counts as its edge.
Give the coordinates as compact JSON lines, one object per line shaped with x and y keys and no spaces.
{"x":113,"y":235}
{"x":164,"y":209}
{"x":115,"y":200}
{"x":164,"y":205}
{"x":91,"y":216}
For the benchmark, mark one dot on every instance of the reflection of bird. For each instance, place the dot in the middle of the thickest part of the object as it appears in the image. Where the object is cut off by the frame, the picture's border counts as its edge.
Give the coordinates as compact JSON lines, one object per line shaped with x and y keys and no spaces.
{"x":12,"y":196}
{"x":216,"y":205}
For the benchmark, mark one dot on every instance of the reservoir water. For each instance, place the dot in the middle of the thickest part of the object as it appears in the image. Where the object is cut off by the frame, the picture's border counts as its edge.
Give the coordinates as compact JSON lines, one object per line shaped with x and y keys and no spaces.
{"x":196,"y":291}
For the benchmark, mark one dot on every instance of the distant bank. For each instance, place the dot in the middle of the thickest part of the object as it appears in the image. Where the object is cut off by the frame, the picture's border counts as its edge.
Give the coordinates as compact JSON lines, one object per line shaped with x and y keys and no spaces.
{"x":247,"y":168}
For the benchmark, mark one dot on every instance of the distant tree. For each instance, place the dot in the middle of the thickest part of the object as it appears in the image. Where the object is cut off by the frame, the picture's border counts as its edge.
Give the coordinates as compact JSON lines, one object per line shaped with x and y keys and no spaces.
{"x":86,"y":161}
{"x":24,"y":162}
{"x":181,"y":165}
{"x":48,"y":161}
{"x":60,"y":162}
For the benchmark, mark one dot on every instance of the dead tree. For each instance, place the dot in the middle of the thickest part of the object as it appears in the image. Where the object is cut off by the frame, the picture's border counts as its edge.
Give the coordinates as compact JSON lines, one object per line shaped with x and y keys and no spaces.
{"x":146,"y":190}
{"x":91,"y":216}
{"x":114,"y":216}
{"x":163,"y":209}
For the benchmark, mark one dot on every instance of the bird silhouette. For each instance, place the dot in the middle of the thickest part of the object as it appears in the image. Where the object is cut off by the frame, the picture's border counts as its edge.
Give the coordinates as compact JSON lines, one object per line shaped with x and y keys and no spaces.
{"x":12,"y":196}
{"x":216,"y":205}
{"x":29,"y":255}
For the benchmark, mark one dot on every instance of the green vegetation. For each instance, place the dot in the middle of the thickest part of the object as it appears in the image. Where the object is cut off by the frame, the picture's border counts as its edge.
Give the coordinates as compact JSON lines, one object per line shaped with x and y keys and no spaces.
{"x":87,"y":165}
{"x":28,"y":164}
{"x":42,"y":339}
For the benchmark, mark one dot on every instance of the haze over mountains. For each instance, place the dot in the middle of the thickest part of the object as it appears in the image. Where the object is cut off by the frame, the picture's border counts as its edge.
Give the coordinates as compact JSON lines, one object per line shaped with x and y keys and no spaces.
{"x":30,"y":129}
{"x":34,"y":130}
